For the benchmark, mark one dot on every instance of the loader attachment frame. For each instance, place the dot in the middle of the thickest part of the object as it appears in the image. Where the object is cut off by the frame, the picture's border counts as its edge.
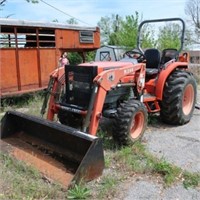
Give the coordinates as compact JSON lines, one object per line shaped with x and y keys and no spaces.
{"x":133,"y":75}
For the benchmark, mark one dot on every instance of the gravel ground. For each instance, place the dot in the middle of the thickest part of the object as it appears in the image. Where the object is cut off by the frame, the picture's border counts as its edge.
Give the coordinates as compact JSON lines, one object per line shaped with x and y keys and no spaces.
{"x":147,"y":189}
{"x":178,"y":145}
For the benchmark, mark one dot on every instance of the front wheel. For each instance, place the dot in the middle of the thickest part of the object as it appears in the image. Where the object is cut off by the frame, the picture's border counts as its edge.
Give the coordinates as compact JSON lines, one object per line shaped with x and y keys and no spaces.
{"x":179,"y":98}
{"x":130,"y":122}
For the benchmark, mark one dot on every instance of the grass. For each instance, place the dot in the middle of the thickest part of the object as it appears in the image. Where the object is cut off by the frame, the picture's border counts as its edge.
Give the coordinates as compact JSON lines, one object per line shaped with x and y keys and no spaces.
{"x":136,"y":158}
{"x":30,"y":104}
{"x":79,"y":191}
{"x":191,"y":179}
{"x":108,"y":187}
{"x":19,"y":181}
{"x":153,"y":119}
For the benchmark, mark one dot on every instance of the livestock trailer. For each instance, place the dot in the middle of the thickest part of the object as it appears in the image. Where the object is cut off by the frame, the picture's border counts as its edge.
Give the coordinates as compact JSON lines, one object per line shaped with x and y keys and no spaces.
{"x":30,"y":50}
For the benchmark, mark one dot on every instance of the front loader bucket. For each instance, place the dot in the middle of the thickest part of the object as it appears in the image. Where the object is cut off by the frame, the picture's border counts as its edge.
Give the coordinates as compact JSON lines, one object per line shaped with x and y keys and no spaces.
{"x":59,"y":152}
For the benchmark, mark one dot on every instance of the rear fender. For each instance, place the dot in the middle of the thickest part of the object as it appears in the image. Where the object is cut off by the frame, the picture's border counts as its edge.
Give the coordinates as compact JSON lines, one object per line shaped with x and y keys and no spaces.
{"x":164,"y":74}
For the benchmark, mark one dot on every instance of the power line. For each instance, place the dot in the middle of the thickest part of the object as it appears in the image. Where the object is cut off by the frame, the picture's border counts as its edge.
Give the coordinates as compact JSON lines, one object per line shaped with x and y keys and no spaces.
{"x":63,"y":12}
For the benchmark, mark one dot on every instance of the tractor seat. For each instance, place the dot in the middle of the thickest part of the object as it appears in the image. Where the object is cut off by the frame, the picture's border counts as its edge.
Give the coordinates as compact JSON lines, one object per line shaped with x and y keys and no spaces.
{"x":152,"y":61}
{"x":168,"y":54}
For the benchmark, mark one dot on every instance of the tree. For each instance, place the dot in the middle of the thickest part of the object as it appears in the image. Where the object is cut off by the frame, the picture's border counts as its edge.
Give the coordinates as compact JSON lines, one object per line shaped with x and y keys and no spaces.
{"x":123,"y":32}
{"x":169,"y":36}
{"x":126,"y":35}
{"x":108,"y":26}
{"x":72,"y":21}
{"x":2,"y":2}
{"x":192,"y":9}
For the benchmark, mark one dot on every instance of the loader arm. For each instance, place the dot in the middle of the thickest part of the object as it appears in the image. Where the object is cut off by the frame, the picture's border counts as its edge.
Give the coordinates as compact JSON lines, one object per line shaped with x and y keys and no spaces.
{"x":56,"y":77}
{"x":108,"y":80}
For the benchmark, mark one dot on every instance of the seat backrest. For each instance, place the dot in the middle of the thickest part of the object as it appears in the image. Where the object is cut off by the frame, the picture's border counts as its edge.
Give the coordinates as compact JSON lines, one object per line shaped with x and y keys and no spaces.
{"x":168,"y":54}
{"x":152,"y":58}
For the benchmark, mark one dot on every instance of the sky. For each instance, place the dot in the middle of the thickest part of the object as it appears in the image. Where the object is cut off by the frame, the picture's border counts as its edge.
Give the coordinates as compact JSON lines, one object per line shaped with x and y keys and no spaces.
{"x":89,"y":12}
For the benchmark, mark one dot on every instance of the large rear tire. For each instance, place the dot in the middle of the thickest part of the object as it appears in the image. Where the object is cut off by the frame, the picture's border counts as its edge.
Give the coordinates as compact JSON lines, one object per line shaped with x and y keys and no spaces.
{"x":179,"y":98}
{"x":130,"y":122}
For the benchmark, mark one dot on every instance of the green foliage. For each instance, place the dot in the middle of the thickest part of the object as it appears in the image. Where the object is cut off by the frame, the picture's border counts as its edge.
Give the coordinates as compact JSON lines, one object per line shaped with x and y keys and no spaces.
{"x":126,"y":35}
{"x":137,"y":159}
{"x":72,"y":21}
{"x":78,"y":192}
{"x":169,"y":171}
{"x":123,"y":32}
{"x":147,"y":36}
{"x":169,"y":36}
{"x":30,"y":101}
{"x":134,"y":158}
{"x":17,"y":101}
{"x":108,"y":25}
{"x":153,"y":119}
{"x":18,"y":166}
{"x":20,"y":181}
{"x":119,"y":31}
{"x":108,"y":186}
{"x":191,"y":180}
{"x":107,"y":138}
{"x":90,"y":56}
{"x":74,"y":58}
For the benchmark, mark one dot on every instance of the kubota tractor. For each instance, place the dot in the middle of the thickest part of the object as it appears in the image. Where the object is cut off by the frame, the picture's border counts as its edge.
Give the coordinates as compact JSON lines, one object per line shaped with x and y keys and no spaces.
{"x":125,"y":90}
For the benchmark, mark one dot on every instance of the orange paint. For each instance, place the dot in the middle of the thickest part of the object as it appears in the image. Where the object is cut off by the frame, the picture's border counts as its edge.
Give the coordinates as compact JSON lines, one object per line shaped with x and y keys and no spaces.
{"x":30,"y":52}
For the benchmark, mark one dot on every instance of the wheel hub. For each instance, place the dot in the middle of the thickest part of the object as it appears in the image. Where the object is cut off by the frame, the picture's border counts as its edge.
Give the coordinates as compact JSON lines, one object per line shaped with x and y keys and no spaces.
{"x":137,"y":125}
{"x":188,"y":99}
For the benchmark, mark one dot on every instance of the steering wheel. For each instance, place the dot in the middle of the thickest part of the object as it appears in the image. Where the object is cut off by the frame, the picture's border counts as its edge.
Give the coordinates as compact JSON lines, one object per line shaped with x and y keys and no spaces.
{"x":139,"y":56}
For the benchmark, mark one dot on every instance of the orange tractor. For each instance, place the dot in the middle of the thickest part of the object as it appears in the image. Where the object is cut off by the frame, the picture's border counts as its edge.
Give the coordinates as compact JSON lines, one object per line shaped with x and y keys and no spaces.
{"x":126,"y":91}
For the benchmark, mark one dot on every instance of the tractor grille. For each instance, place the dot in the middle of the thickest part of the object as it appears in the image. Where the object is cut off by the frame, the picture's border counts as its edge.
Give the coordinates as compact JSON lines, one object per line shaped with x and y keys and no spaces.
{"x":79,"y":85}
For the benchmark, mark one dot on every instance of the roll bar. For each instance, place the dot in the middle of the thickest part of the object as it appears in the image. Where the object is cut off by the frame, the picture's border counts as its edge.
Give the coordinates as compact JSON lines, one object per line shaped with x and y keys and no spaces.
{"x":160,"y":20}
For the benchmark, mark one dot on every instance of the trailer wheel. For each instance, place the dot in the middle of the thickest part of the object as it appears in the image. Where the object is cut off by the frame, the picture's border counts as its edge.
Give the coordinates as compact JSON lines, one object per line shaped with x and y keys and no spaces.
{"x":70,"y":119}
{"x":130,"y":122}
{"x":179,"y":98}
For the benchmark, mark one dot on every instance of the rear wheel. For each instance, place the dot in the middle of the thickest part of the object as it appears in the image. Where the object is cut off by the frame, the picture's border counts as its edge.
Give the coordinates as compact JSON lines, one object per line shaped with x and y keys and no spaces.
{"x":130,"y":122}
{"x":179,"y":98}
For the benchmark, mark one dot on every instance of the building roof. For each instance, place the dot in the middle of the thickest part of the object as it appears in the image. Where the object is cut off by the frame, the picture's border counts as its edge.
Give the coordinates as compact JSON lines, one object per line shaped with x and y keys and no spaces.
{"x":26,"y":23}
